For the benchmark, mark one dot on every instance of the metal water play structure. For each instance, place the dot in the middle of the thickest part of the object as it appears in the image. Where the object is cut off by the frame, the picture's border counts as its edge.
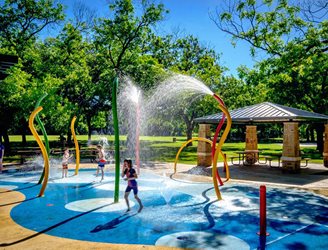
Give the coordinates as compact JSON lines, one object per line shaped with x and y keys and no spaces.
{"x":77,"y":149}
{"x":43,"y":130}
{"x":116,"y":140}
{"x":216,"y":150}
{"x":43,"y":149}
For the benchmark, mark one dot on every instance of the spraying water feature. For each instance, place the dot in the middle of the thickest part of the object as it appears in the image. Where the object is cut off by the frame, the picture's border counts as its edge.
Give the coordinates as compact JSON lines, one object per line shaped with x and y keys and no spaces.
{"x":130,"y":105}
{"x":183,"y":87}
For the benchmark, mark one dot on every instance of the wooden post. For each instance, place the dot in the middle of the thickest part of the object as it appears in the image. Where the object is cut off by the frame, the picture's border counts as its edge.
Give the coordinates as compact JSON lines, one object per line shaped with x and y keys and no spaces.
{"x":291,"y":157}
{"x":251,"y":144}
{"x":325,"y":148}
{"x":204,"y":150}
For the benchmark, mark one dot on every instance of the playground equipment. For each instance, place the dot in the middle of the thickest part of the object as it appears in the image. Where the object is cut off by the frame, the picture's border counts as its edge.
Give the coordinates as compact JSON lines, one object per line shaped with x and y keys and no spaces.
{"x":218,"y":148}
{"x":216,"y":151}
{"x":263,"y":231}
{"x":198,"y":139}
{"x":43,"y":149}
{"x":116,"y":140}
{"x":77,"y":149}
{"x":44,"y":133}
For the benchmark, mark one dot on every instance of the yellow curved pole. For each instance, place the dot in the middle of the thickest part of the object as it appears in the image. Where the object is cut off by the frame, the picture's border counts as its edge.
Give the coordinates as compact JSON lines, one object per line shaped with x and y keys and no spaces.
{"x":184,"y":145}
{"x":226,"y":165}
{"x":77,"y":149}
{"x":218,"y":149}
{"x":42,"y":147}
{"x":205,"y":140}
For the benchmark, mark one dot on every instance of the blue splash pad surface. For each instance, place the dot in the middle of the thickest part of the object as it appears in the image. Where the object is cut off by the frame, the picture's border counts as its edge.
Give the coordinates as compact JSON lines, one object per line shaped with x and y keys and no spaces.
{"x":295,"y":219}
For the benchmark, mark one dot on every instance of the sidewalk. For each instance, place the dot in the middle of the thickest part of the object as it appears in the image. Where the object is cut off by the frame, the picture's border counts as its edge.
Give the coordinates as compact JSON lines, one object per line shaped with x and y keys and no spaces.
{"x":313,"y":178}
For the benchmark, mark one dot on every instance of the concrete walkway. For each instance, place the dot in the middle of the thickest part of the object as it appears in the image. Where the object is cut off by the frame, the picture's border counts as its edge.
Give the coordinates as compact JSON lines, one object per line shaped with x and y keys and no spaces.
{"x":313,"y":178}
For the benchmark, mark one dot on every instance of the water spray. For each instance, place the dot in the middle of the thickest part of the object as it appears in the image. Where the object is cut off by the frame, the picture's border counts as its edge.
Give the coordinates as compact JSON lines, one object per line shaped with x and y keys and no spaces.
{"x":137,"y":138}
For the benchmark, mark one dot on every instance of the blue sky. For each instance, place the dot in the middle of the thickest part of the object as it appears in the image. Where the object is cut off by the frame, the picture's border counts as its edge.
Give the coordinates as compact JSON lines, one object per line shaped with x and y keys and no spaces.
{"x":191,"y":17}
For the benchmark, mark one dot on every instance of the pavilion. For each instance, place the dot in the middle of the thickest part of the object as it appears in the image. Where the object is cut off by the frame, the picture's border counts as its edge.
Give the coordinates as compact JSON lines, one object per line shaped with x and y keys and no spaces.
{"x":6,"y":61}
{"x":265,"y":112}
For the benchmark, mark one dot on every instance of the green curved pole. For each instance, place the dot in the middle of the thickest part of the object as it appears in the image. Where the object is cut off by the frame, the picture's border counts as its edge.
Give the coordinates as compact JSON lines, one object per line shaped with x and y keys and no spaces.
{"x":43,"y":130}
{"x":117,"y":141}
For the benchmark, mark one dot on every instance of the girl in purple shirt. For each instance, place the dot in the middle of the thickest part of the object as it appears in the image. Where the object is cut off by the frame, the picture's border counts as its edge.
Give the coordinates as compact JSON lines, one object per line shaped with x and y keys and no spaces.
{"x":131,"y":177}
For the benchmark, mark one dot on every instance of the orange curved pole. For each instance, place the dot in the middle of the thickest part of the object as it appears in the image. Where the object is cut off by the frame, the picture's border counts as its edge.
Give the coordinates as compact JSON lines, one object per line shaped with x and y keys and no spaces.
{"x":77,"y":149}
{"x":184,"y":145}
{"x":204,"y":140}
{"x":42,"y":147}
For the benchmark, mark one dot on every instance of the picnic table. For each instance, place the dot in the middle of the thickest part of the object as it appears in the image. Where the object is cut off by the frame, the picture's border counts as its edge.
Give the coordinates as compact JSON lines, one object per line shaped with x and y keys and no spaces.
{"x":246,"y":157}
{"x":255,"y":156}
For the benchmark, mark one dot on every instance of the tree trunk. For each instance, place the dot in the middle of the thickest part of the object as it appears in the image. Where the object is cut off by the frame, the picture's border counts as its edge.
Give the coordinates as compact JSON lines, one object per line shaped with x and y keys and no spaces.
{"x":6,"y":141}
{"x":312,"y":134}
{"x":307,"y":134}
{"x":190,"y":126}
{"x":319,"y":129}
{"x":24,"y":130}
{"x":189,"y":136}
{"x":89,"y":127}
{"x":69,"y":137}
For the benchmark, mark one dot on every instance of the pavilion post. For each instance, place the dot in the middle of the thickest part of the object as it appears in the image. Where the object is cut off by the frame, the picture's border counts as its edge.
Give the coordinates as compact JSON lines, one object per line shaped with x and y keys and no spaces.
{"x":251,"y":144}
{"x":291,"y":155}
{"x":325,"y":147}
{"x":204,"y":150}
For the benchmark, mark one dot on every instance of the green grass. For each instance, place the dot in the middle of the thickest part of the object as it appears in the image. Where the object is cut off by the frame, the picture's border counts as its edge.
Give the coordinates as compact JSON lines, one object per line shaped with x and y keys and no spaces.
{"x":162,"y":148}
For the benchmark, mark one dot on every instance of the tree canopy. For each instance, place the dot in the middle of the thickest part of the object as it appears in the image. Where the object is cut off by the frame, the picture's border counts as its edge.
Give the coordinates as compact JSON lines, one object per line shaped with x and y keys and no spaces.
{"x":77,"y":64}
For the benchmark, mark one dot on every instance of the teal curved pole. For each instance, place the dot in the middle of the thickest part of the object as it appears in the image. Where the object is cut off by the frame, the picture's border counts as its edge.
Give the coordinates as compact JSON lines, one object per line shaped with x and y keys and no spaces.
{"x":116,"y":140}
{"x":44,"y":133}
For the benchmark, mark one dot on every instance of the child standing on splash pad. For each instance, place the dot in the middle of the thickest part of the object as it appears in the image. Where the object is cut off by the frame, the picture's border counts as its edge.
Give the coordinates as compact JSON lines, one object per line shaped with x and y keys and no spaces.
{"x":101,"y":161}
{"x":131,"y":177}
{"x":66,"y":157}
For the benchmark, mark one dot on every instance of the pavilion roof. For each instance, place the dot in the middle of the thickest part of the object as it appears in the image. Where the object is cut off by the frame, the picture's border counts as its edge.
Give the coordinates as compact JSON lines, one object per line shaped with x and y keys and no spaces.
{"x":6,"y":61}
{"x":265,"y":112}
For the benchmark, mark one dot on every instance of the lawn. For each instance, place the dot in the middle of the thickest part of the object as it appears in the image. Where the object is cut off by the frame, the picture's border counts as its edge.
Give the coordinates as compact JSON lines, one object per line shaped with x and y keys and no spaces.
{"x":164,"y":148}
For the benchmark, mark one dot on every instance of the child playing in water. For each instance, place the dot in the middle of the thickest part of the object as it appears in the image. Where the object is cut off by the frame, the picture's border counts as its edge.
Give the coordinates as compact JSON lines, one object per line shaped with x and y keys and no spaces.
{"x":101,"y":161}
{"x":66,"y":157}
{"x":131,"y":177}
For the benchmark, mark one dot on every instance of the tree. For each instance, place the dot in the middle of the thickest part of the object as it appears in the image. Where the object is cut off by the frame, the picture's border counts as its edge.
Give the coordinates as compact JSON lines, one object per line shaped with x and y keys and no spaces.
{"x":295,"y":42}
{"x":70,"y":58}
{"x":21,"y":22}
{"x":190,"y":57}
{"x":119,"y":40}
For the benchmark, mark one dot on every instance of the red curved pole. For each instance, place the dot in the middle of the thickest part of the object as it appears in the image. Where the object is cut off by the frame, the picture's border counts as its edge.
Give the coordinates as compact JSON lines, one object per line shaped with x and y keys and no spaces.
{"x":216,"y":135}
